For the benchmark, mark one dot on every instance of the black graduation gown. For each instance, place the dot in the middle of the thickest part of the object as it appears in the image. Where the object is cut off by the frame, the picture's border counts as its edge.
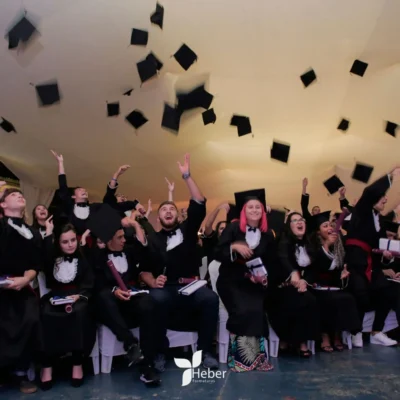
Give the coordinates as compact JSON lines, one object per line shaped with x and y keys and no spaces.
{"x":65,"y":332}
{"x":294,"y":316}
{"x":305,"y":199}
{"x":243,"y":299}
{"x":19,"y":310}
{"x":338,"y":308}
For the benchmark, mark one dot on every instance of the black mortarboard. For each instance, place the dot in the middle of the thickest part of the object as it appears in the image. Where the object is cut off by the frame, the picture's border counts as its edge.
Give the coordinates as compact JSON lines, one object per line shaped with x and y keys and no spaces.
{"x":157,"y":17}
{"x":359,"y":68}
{"x":308,"y":78}
{"x":276,"y":220}
{"x":315,"y":221}
{"x":171,"y":118}
{"x":136,"y":119}
{"x":233,"y":213}
{"x":209,"y":117}
{"x":391,"y":226}
{"x":104,"y":222}
{"x":128,"y":92}
{"x":333,"y":184}
{"x":7,"y":125}
{"x":280,"y":152}
{"x":22,"y":31}
{"x":185,"y":57}
{"x":242,"y":123}
{"x":241,"y":198}
{"x":344,"y":125}
{"x":147,"y":68}
{"x":391,"y":128}
{"x":139,"y":37}
{"x":362,"y":172}
{"x":198,"y":97}
{"x":152,"y":57}
{"x":48,"y":94}
{"x":113,"y":109}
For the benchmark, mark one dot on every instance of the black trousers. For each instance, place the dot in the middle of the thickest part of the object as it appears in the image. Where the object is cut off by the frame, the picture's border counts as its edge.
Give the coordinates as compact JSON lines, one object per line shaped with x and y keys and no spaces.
{"x":373,"y":295}
{"x":48,"y":361}
{"x":121,"y":316}
{"x":204,"y":303}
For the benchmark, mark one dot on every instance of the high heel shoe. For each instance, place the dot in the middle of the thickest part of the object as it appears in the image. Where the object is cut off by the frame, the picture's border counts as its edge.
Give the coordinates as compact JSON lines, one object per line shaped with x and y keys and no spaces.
{"x":46,"y":385}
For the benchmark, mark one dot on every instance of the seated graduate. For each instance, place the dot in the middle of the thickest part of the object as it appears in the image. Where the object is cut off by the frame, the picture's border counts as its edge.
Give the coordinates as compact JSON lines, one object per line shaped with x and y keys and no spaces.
{"x":20,"y":259}
{"x":119,"y":304}
{"x":39,"y":216}
{"x":292,"y":309}
{"x":66,"y":327}
{"x":174,"y":260}
{"x":329,"y":276}
{"x":363,"y":234}
{"x":305,"y":200}
{"x":241,"y":287}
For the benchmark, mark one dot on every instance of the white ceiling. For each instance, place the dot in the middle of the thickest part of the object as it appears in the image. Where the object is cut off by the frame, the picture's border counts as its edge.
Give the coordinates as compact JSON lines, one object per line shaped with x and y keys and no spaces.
{"x":250,"y":54}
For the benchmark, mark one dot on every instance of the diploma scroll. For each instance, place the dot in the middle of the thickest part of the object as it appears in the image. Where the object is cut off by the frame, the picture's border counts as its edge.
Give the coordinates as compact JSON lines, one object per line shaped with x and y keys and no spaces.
{"x":117,"y":276}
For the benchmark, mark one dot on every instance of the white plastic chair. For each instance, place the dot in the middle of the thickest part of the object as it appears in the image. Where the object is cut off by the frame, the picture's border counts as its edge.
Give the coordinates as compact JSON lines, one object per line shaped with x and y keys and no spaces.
{"x":110,"y":347}
{"x":223,"y":333}
{"x":95,"y":355}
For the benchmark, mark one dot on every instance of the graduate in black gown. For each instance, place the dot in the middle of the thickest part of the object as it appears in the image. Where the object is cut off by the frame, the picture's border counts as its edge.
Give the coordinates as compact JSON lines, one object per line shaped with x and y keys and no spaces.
{"x":363,"y":235}
{"x":115,"y":306}
{"x":243,"y":289}
{"x":305,"y":200}
{"x":173,"y":257}
{"x":39,"y":216}
{"x":329,"y":277}
{"x":20,"y":259}
{"x":66,"y":328}
{"x":292,"y":309}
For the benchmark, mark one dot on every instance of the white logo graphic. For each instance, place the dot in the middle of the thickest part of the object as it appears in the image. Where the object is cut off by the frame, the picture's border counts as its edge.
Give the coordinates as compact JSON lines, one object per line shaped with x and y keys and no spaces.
{"x":192,"y":371}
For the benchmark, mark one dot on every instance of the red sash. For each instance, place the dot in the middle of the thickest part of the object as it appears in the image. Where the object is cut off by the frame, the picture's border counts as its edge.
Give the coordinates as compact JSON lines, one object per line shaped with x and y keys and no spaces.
{"x":368,"y":250}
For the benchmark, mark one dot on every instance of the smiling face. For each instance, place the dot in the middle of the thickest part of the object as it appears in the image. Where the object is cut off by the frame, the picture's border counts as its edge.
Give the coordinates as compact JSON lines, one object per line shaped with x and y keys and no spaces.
{"x":68,"y":242}
{"x":168,"y":216}
{"x":80,"y":195}
{"x":12,"y":201}
{"x":298,"y":225}
{"x":253,"y":211}
{"x":325,"y":229}
{"x":41,"y":213}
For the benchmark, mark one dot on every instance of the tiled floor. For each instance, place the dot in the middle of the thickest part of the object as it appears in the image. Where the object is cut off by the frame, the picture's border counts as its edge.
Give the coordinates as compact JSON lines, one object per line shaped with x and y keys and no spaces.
{"x":371,"y":373}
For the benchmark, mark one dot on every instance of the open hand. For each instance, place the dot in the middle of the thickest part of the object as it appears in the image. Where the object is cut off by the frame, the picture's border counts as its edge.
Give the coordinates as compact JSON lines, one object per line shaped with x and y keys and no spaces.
{"x":57,"y":156}
{"x":185,"y":167}
{"x":305,"y":182}
{"x":171,"y":186}
{"x":122,"y":169}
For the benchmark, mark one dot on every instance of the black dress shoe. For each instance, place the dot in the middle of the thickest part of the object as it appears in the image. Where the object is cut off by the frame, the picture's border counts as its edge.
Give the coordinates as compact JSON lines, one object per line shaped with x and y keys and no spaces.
{"x":134,"y":354}
{"x":76,"y":382}
{"x":46,"y":385}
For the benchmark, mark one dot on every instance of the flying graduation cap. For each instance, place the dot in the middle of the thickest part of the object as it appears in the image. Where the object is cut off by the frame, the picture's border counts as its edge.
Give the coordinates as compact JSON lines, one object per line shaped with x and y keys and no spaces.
{"x":198,"y":97}
{"x":359,"y":68}
{"x":308,"y":77}
{"x":48,"y":94}
{"x":113,"y":109}
{"x":241,"y":198}
{"x":362,"y":172}
{"x":153,"y":58}
{"x":128,"y":92}
{"x":343,"y":125}
{"x":333,"y":184}
{"x":280,"y":152}
{"x":139,"y":37}
{"x":147,"y":69}
{"x":171,"y":118}
{"x":242,"y":123}
{"x":136,"y":119}
{"x":23,"y":31}
{"x":209,"y":117}
{"x":391,"y":128}
{"x":185,"y":56}
{"x":157,"y":18}
{"x":7,"y":126}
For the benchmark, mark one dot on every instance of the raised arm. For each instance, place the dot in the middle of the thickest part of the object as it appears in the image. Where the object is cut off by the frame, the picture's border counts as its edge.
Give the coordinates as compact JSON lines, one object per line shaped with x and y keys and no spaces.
{"x":208,"y":229}
{"x":194,"y":190}
{"x":305,"y":199}
{"x":171,"y":188}
{"x":109,"y":197}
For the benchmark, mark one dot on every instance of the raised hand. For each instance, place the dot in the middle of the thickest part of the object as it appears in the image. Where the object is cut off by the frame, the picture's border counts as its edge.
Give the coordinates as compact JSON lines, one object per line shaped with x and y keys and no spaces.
{"x":122,"y":169}
{"x":342,"y":192}
{"x":149,"y":206}
{"x":224,"y":206}
{"x":49,"y":225}
{"x":57,"y":156}
{"x":171,"y":186}
{"x":305,"y":182}
{"x":185,"y":168}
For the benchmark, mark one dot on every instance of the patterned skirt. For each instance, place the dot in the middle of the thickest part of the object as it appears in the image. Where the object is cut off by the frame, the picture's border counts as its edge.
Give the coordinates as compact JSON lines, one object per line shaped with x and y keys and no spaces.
{"x":247,"y":353}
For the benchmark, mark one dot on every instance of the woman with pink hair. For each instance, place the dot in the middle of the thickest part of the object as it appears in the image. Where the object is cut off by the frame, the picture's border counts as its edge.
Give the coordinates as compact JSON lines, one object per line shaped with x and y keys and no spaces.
{"x":246,"y":252}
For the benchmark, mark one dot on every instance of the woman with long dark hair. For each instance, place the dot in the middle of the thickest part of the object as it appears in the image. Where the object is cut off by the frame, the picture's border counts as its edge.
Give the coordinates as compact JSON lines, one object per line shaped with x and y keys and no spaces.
{"x":66,"y":327}
{"x":329,"y":277}
{"x":246,"y":251}
{"x":292,"y":309}
{"x":39,"y":216}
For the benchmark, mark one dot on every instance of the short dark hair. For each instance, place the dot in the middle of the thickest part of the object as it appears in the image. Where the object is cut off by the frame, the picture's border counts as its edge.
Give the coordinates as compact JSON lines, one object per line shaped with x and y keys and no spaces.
{"x":5,"y":194}
{"x":167,"y":202}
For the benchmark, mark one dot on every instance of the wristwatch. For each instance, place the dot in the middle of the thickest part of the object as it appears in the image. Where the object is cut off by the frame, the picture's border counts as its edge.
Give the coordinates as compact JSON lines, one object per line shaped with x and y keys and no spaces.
{"x":186,"y":175}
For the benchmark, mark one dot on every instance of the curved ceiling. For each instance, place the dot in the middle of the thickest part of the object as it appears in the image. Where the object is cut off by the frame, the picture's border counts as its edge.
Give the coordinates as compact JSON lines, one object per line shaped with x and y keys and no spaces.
{"x":250,"y":56}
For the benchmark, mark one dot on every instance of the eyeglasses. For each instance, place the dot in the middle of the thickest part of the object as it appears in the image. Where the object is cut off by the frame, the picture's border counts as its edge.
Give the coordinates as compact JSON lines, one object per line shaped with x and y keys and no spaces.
{"x":295,"y":221}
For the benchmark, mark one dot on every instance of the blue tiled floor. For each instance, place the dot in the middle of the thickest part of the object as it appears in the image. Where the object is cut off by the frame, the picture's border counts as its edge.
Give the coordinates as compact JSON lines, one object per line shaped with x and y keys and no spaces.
{"x":372,"y":373}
